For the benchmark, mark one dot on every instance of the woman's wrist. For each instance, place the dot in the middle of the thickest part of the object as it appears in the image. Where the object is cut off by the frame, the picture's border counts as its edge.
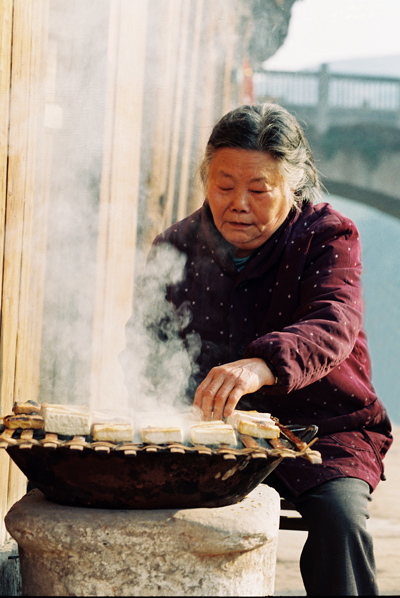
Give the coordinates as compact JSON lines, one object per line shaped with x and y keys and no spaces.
{"x":273,"y":371}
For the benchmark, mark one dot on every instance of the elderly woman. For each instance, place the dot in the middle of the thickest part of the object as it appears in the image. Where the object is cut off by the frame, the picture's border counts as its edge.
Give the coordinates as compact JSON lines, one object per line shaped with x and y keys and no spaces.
{"x":274,"y":284}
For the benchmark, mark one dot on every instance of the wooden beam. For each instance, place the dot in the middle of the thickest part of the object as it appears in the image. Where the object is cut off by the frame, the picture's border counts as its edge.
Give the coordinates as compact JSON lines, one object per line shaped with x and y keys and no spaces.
{"x":229,"y":42}
{"x":206,"y":102}
{"x":99,"y":337}
{"x":21,"y":301}
{"x":5,"y":78}
{"x":35,"y":216}
{"x":119,"y":200}
{"x":15,"y":210}
{"x":166,"y":25}
{"x":14,"y":228}
{"x":5,"y":81}
{"x":27,"y":366}
{"x":190,"y":101}
{"x":176,"y":132}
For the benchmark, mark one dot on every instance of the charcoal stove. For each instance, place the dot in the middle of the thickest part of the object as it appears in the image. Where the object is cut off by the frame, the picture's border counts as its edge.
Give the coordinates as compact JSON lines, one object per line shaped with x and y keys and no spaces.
{"x":78,"y":471}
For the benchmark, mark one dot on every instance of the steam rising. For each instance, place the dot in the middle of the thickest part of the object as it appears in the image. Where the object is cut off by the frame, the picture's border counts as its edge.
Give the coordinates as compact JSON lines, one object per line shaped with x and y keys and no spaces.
{"x":82,"y":329}
{"x":158,"y":363}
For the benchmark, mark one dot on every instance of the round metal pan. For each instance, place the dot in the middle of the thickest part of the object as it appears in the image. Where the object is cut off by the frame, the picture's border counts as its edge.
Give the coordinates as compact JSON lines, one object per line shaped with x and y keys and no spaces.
{"x":145,"y":480}
{"x":148,"y":480}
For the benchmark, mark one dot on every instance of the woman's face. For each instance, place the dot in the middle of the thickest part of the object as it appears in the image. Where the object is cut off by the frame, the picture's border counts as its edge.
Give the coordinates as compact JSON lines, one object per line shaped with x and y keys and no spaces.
{"x":248,"y":197}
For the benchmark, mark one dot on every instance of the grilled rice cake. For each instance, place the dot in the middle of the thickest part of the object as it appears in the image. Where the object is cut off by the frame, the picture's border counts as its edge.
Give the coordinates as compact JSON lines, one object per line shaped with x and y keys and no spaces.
{"x":161,"y":435}
{"x":27,"y":407}
{"x":66,"y":420}
{"x":254,"y":423}
{"x":212,"y":433}
{"x":112,"y":432}
{"x":111,"y":426}
{"x":23,"y":421}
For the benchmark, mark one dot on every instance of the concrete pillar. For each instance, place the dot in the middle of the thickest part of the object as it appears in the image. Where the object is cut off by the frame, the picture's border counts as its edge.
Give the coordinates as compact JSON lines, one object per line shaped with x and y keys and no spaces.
{"x":74,"y":551}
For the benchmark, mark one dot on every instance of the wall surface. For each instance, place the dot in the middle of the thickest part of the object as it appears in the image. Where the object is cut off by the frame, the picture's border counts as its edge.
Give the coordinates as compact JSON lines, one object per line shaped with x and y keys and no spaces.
{"x":105,"y":108}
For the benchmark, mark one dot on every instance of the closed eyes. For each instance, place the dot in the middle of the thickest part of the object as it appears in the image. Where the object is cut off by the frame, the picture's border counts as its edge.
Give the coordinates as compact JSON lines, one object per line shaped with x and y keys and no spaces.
{"x":255,"y":191}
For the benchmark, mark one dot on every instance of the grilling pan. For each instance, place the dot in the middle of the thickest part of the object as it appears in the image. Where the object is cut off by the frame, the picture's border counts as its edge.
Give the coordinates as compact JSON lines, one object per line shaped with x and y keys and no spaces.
{"x":78,"y":472}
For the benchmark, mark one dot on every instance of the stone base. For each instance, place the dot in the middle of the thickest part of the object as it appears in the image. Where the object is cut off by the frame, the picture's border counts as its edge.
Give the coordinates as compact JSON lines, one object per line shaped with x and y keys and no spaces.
{"x":73,"y":551}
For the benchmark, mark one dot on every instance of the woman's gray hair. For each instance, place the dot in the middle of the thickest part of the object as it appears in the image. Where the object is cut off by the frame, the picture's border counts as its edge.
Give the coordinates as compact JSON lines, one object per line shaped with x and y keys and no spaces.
{"x":272,"y":129}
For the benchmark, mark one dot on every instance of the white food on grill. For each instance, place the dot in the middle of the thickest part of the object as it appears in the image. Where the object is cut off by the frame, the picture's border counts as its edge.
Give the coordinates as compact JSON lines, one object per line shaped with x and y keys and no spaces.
{"x":213,"y":432}
{"x":161,"y":435}
{"x":23,"y":421}
{"x":112,"y":432}
{"x":27,"y":407}
{"x":253,"y":423}
{"x":66,"y":420}
{"x":65,"y":408}
{"x":110,"y":416}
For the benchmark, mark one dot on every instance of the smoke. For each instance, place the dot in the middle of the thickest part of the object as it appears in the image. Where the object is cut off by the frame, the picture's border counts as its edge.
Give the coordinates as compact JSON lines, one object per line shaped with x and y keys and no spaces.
{"x":75,"y":93}
{"x":158,"y":362}
{"x":82,"y":329}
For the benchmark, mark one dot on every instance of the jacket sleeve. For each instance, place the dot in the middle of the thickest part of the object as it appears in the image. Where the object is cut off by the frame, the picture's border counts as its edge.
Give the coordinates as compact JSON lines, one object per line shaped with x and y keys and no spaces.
{"x":329,"y":312}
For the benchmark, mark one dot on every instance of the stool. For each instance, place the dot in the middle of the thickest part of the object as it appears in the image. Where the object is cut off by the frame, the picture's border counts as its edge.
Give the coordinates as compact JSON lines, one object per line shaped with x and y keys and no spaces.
{"x":290,"y":518}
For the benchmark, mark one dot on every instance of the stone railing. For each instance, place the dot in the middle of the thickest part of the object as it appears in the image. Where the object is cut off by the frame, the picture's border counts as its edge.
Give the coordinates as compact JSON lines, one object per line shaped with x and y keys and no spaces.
{"x":323,"y":98}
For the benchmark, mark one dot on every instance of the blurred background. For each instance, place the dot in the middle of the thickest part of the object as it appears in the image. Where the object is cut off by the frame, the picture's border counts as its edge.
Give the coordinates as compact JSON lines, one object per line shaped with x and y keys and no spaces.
{"x":105,"y":109}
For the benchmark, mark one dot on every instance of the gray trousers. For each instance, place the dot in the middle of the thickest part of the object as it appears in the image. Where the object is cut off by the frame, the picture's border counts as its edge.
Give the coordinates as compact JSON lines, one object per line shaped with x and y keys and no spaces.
{"x":337,"y":557}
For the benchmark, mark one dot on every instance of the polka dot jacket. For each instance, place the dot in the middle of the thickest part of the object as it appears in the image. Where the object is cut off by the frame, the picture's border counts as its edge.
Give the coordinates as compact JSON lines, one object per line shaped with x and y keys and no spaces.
{"x":297,"y":304}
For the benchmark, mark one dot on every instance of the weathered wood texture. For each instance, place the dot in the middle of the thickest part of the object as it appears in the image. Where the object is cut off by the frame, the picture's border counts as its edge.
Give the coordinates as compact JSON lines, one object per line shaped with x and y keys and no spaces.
{"x":119,"y":197}
{"x":105,"y":109}
{"x":5,"y":77}
{"x":23,"y":203}
{"x":175,"y":57}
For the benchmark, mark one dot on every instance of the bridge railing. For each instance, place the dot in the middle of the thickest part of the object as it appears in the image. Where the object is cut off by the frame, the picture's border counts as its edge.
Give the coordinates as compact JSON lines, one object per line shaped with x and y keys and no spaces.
{"x":325,"y":91}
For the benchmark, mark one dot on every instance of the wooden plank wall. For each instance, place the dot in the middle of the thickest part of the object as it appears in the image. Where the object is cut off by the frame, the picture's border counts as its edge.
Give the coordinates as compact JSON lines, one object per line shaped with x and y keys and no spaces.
{"x":23,"y":222}
{"x":5,"y":78}
{"x":118,"y":197}
{"x":169,"y":77}
{"x":187,"y":88}
{"x":177,"y":96}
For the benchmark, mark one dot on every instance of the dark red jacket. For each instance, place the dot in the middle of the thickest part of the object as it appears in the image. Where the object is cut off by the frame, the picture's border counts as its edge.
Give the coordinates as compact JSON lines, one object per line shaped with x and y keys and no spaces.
{"x":297,"y":304}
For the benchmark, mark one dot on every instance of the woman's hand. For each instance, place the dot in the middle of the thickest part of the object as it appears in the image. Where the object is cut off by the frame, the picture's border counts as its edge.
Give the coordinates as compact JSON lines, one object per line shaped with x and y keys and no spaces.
{"x":223,"y":387}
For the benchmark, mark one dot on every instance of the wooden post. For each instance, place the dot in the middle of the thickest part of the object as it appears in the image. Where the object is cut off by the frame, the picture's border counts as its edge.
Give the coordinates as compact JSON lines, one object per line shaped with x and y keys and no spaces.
{"x":24,"y":34}
{"x":119,"y":199}
{"x":162,"y":63}
{"x":35,"y":217}
{"x":229,"y":41}
{"x":15,"y":215}
{"x":206,"y":100}
{"x":190,"y":101}
{"x":5,"y":78}
{"x":178,"y":111}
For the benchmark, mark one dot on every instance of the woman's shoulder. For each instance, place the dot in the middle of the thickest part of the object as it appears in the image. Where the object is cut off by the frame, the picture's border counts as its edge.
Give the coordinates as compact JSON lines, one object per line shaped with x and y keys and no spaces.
{"x":323,"y":216}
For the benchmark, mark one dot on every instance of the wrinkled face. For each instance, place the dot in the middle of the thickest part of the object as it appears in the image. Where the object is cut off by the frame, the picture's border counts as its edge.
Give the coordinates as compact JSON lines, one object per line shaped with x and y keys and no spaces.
{"x":248,"y":197}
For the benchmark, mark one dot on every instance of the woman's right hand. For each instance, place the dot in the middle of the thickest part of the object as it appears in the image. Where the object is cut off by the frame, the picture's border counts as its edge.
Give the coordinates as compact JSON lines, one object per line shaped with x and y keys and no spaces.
{"x":224,"y":386}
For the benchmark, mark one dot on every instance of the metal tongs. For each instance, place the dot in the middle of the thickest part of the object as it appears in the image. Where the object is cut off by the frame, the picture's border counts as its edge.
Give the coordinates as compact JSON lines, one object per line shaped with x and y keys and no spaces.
{"x":300,"y":443}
